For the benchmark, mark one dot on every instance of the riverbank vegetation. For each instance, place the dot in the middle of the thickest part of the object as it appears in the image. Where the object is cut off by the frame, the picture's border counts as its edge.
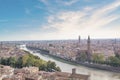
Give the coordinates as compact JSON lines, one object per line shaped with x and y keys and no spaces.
{"x":114,"y":61}
{"x":100,"y":59}
{"x":30,"y":60}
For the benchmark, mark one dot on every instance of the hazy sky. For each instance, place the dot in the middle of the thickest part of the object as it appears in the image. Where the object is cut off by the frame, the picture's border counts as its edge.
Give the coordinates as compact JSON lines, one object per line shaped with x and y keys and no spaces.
{"x":59,"y":19}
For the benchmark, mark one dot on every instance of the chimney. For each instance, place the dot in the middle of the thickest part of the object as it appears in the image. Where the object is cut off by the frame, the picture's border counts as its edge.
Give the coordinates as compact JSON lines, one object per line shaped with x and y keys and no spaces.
{"x":74,"y":71}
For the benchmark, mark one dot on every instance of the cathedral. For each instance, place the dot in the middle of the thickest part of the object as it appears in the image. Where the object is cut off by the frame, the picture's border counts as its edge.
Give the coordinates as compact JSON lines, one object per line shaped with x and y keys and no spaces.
{"x":86,"y":52}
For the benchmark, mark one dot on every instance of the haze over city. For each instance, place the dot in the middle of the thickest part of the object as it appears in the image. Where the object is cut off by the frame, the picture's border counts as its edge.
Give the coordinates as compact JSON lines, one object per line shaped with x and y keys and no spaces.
{"x":59,"y":19}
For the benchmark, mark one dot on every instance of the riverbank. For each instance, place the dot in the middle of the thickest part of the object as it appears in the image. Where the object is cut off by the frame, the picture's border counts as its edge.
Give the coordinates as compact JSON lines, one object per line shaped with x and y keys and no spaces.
{"x":95,"y":66}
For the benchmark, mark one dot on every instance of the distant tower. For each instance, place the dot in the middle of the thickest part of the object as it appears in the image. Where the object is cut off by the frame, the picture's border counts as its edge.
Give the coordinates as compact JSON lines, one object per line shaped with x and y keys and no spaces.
{"x":79,"y":39}
{"x":78,"y":44}
{"x":88,"y":48}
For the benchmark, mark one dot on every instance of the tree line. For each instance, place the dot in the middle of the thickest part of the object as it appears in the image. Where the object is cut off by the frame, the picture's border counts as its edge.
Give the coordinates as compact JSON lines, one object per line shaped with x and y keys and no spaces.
{"x":30,"y":60}
{"x":98,"y":58}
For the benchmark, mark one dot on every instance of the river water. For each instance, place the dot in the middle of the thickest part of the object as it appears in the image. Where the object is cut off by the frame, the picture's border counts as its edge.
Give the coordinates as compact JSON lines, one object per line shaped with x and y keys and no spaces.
{"x":95,"y":74}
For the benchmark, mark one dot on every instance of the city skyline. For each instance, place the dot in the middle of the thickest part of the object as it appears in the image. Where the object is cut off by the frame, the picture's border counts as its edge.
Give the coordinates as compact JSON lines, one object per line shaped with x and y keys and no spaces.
{"x":59,"y":19}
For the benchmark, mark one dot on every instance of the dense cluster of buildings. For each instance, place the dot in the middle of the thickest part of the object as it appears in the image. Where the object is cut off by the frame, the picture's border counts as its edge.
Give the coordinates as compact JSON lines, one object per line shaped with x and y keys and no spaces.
{"x":33,"y":73}
{"x":71,"y":48}
{"x":10,"y":50}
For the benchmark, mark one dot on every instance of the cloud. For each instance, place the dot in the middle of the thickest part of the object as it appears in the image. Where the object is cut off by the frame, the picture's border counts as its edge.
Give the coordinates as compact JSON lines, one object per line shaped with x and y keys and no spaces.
{"x":107,"y":9}
{"x":86,"y":22}
{"x":67,"y":2}
{"x":89,"y":21}
{"x":44,"y":2}
{"x":49,"y":7}
{"x":88,"y":8}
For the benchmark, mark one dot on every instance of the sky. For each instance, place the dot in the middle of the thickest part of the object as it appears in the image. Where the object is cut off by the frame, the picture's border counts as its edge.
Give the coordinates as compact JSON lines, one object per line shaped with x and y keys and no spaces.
{"x":59,"y":19}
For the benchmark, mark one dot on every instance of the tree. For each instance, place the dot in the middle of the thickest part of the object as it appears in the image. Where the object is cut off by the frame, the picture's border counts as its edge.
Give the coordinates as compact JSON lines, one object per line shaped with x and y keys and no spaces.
{"x":117,"y":55}
{"x":82,"y":57}
{"x":30,"y":60}
{"x":37,"y":63}
{"x":98,"y":58}
{"x":58,"y":68}
{"x":51,"y":66}
{"x":25,"y":59}
{"x":19,"y":63}
{"x":114,"y":61}
{"x":12,"y":61}
{"x":4,"y":61}
{"x":43,"y":67}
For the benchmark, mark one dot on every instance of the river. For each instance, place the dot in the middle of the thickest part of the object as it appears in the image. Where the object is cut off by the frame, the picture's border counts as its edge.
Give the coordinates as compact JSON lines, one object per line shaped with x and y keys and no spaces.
{"x":95,"y":74}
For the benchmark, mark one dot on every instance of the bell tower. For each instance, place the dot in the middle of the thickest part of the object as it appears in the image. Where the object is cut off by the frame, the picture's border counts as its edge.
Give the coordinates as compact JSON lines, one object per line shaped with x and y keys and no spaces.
{"x":89,"y":48}
{"x":79,"y":39}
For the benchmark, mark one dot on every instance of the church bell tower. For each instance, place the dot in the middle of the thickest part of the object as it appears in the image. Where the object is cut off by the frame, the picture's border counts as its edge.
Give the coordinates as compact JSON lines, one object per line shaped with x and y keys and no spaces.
{"x":89,"y":48}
